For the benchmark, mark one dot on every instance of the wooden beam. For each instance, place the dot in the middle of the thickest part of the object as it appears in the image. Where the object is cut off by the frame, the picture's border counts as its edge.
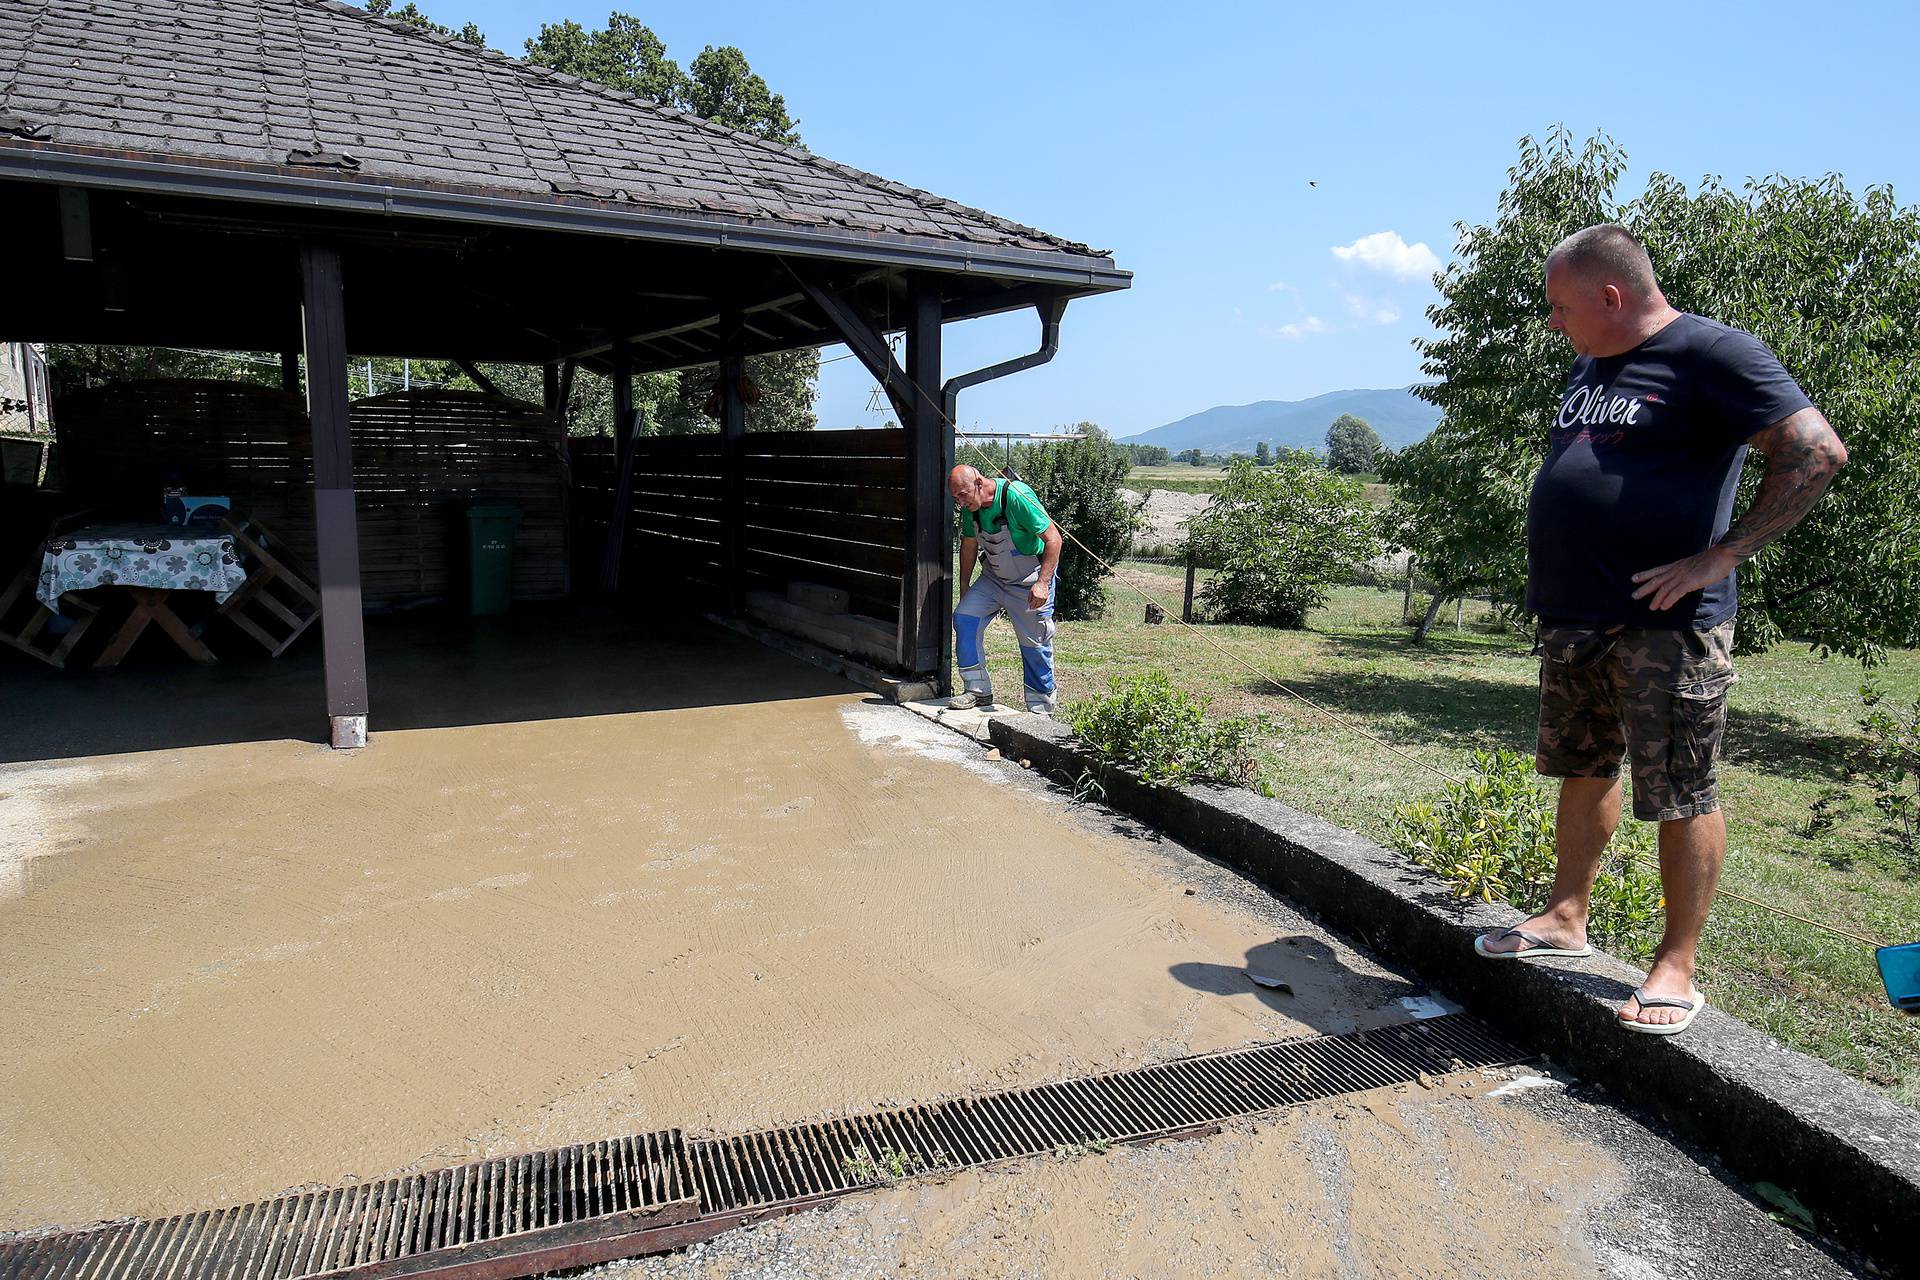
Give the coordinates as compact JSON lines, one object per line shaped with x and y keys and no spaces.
{"x":290,"y":372}
{"x":625,"y":426}
{"x":343,"y":642}
{"x":926,"y":591}
{"x":480,"y":379}
{"x":866,"y":342}
{"x":733,"y":436}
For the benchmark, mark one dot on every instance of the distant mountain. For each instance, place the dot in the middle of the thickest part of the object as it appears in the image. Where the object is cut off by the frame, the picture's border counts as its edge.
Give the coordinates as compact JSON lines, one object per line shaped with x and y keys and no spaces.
{"x":1395,"y":413}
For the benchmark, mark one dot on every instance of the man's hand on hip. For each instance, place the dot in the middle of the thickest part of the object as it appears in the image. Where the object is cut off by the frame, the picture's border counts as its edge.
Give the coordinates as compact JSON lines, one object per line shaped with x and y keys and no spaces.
{"x":1668,"y":583}
{"x":1037,"y":595}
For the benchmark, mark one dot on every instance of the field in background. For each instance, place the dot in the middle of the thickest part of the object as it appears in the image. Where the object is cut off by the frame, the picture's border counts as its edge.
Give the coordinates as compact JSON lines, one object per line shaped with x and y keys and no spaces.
{"x":1792,"y":728}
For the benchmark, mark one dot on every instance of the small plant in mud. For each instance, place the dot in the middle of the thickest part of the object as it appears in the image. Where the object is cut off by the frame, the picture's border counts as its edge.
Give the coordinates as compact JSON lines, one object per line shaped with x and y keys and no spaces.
{"x":1094,"y":1146}
{"x":1150,"y":727}
{"x":864,"y":1168}
{"x":1491,"y":837}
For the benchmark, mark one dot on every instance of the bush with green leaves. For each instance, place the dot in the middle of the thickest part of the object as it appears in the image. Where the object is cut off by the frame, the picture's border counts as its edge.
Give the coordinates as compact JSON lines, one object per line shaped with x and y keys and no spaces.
{"x":1161,"y":733}
{"x":1889,"y":761}
{"x":1490,"y":837}
{"x":1078,"y":482}
{"x":1279,"y":538}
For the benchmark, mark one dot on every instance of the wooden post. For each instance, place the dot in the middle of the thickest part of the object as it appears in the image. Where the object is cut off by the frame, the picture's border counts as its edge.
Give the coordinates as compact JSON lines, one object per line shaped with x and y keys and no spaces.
{"x":1459,"y":611}
{"x":1406,"y":603}
{"x":290,"y":372}
{"x":926,"y":595}
{"x":615,"y":548}
{"x":733,"y":449}
{"x":1186,"y":604}
{"x":343,"y":642}
{"x":555,"y":390}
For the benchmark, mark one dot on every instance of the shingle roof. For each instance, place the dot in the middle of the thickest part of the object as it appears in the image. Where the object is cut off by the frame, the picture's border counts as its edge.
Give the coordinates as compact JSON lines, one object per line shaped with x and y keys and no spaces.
{"x":329,"y":89}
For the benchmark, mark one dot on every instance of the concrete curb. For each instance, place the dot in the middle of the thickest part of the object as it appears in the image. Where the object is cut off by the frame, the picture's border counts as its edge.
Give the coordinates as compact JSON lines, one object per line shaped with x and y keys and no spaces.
{"x":1771,"y":1114}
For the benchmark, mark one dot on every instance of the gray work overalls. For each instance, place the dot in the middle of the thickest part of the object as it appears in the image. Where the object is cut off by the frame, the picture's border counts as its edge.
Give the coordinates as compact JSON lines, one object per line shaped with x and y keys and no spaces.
{"x":1002,"y":587}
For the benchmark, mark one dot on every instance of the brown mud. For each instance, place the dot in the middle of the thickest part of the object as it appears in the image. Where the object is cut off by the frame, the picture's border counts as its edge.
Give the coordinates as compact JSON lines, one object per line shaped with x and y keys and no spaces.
{"x":232,"y":969}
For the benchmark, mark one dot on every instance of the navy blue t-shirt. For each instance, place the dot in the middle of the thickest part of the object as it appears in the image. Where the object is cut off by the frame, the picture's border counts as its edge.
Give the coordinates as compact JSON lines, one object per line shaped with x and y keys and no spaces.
{"x":1645,"y":459}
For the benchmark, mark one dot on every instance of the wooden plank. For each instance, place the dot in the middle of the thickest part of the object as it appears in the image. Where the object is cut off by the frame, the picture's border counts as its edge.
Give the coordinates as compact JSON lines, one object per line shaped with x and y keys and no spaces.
{"x":884,"y":443}
{"x":867,"y":472}
{"x":855,"y":526}
{"x":867,"y":558}
{"x":825,"y":497}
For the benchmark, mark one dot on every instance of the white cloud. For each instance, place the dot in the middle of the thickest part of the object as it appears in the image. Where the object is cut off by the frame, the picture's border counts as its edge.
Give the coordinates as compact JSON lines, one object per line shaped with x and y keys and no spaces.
{"x":1281,"y":286}
{"x":1387,"y":253}
{"x":1369,"y":311}
{"x":1296,"y":331}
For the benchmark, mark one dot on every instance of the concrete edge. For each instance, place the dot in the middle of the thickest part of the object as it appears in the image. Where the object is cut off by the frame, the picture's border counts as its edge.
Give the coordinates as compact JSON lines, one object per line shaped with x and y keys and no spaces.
{"x":1769,"y":1113}
{"x":893,"y":688}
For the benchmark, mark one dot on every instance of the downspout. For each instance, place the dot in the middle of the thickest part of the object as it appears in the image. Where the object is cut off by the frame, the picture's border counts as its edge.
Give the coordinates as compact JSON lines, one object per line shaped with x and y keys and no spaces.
{"x":1050,"y":313}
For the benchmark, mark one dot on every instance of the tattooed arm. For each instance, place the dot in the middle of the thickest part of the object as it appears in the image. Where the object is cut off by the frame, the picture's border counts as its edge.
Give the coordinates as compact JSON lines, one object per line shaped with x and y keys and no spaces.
{"x":1802,"y":454}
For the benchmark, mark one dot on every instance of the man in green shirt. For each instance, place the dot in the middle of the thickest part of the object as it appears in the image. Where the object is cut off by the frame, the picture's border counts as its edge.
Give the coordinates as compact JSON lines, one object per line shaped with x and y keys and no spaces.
{"x":1004,"y":527}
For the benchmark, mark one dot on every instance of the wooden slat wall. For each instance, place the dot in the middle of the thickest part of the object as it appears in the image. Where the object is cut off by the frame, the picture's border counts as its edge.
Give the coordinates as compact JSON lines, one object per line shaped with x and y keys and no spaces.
{"x":418,"y":456}
{"x":818,"y":506}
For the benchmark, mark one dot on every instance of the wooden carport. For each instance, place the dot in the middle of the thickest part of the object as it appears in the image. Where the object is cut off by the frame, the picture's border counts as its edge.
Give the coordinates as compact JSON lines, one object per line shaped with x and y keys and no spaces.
{"x":296,"y":175}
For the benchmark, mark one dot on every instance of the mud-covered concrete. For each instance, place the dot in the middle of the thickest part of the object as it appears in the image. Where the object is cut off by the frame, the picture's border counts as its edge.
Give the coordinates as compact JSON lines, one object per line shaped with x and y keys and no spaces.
{"x":1850,"y":1155}
{"x":1495,"y":1174}
{"x":699,"y":884}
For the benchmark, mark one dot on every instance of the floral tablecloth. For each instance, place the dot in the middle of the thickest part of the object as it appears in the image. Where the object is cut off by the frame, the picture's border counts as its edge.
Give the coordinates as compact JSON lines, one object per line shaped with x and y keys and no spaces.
{"x":168,"y":556}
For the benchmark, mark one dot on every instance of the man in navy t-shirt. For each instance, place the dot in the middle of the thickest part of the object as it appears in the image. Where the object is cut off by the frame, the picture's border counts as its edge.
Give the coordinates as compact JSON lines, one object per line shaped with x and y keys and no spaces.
{"x":1631,"y":553}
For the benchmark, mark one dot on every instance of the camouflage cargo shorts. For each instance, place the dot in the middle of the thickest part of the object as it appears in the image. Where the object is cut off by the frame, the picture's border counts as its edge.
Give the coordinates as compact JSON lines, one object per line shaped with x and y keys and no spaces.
{"x":1657,"y":697}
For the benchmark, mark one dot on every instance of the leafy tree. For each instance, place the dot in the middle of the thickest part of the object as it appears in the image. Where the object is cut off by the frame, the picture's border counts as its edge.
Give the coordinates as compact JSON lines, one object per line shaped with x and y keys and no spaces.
{"x":1262,"y":455}
{"x":627,"y":55}
{"x":1190,"y":456}
{"x":410,"y":14}
{"x":1079,"y":484}
{"x":1147,"y":455}
{"x":1279,"y":538}
{"x":1353,"y":446}
{"x":1830,"y":280}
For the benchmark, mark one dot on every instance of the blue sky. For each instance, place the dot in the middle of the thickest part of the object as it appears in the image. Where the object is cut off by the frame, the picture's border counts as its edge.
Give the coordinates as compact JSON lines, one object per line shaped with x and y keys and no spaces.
{"x":1184,"y":138}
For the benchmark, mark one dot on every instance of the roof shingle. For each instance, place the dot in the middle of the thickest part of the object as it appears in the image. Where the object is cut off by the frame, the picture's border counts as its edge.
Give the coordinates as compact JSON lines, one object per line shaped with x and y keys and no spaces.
{"x":253,"y":81}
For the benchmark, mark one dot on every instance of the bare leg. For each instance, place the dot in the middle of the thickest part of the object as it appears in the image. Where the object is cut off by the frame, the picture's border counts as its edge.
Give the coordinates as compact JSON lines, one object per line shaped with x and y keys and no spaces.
{"x":1691,"y":853}
{"x":1584,"y":821}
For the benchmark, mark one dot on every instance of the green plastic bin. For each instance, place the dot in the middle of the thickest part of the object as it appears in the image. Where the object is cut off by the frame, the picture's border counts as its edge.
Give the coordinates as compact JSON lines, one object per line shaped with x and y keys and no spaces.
{"x":490,"y":535}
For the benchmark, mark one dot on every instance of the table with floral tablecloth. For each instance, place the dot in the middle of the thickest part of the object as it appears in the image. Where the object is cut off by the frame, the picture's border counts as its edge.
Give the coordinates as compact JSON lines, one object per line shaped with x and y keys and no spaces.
{"x":161,"y":556}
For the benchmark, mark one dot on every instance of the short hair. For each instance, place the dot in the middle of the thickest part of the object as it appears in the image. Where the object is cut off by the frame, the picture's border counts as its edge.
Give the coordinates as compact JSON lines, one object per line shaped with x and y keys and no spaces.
{"x":1606,"y":252}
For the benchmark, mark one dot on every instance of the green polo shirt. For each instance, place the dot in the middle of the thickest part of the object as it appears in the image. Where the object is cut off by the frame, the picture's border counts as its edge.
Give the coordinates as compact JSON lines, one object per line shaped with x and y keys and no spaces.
{"x":1018,"y":506}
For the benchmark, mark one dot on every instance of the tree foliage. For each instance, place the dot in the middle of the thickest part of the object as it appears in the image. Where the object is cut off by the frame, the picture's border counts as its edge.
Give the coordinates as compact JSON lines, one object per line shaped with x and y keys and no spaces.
{"x":1828,"y":279}
{"x":1262,"y":454}
{"x":1078,"y":483}
{"x":410,"y":14}
{"x":1279,"y":537}
{"x":721,"y":86}
{"x":1353,"y":446}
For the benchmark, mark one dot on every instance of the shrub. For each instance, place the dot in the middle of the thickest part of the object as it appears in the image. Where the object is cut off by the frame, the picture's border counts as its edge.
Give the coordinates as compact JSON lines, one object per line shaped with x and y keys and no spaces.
{"x":1890,"y":763}
{"x":1279,"y":538}
{"x":1162,"y":734}
{"x":1491,"y":837}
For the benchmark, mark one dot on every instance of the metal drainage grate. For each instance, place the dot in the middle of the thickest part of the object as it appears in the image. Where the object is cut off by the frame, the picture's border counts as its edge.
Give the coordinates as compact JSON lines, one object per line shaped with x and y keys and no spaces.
{"x":805,"y":1163}
{"x":505,"y":1217}
{"x":573,"y":1206}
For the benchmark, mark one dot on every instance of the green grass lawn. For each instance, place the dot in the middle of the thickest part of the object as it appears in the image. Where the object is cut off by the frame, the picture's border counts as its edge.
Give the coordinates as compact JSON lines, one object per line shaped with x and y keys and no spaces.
{"x":1792,"y":724}
{"x":1179,"y":477}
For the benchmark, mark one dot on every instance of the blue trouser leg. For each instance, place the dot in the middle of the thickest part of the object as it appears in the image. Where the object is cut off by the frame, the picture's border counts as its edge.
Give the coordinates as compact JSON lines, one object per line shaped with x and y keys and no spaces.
{"x":970,"y":618}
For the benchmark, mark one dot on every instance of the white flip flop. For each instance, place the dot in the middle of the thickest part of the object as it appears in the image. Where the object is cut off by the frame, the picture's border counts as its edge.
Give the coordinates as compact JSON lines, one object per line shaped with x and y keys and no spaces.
{"x":1693,"y":1008}
{"x":1537,"y":946}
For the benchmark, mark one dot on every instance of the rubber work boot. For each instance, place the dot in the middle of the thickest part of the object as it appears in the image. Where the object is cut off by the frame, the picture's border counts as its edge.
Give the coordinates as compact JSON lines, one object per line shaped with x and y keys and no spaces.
{"x":970,"y":700}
